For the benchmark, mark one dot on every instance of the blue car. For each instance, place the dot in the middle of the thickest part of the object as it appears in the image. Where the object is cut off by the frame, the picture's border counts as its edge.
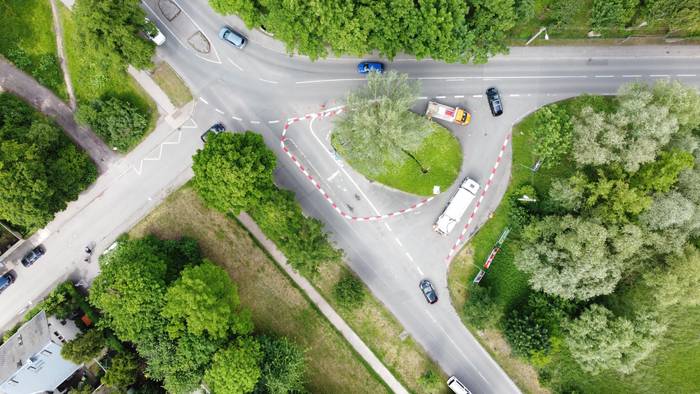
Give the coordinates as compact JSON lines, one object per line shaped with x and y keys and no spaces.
{"x":365,"y":67}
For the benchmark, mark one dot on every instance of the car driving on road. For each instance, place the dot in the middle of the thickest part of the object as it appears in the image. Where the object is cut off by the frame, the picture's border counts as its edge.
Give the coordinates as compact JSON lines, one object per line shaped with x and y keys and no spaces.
{"x":33,"y":255}
{"x":214,"y":129}
{"x":5,"y":281}
{"x":233,"y":37}
{"x":366,"y":67}
{"x":428,"y":291}
{"x":494,"y":101}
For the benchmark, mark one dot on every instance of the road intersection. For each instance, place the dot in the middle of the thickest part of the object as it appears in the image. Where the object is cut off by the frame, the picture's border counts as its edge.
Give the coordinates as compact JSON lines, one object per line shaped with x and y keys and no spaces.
{"x":261,"y":88}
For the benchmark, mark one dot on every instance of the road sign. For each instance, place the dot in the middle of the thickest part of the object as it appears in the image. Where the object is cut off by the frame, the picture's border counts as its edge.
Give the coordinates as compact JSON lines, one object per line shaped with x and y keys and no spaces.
{"x":478,"y":276}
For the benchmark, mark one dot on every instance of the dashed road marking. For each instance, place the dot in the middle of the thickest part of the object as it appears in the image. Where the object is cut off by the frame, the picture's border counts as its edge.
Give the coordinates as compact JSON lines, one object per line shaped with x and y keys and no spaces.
{"x":255,"y":121}
{"x":685,"y":75}
{"x":420,"y":271}
{"x":268,"y":81}
{"x":236,"y":118}
{"x":514,"y":95}
{"x":387,"y":226}
{"x":218,"y":110}
{"x":440,"y":97}
{"x":631,"y":75}
{"x":409,"y":256}
{"x":459,"y":96}
{"x":273,"y":121}
{"x":605,"y":76}
{"x":234,"y":64}
{"x":398,"y":241}
{"x":203,"y":100}
{"x":421,"y":98}
{"x":659,"y":75}
{"x":335,"y":174}
{"x":477,"y":95}
{"x":328,"y":80}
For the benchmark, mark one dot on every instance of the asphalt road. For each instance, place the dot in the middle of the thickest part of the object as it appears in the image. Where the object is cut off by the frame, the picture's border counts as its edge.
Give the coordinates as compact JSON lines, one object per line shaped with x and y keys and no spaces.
{"x":261,"y":87}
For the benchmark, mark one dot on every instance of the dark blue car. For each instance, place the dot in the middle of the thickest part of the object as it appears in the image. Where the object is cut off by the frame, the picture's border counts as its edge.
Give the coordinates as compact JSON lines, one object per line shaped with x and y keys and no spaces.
{"x":365,"y":67}
{"x":5,"y":281}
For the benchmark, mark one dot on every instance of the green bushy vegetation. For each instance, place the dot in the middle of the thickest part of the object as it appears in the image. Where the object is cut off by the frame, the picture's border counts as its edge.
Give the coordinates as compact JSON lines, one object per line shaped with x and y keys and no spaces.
{"x":589,"y":278}
{"x":41,"y":170}
{"x":28,"y":41}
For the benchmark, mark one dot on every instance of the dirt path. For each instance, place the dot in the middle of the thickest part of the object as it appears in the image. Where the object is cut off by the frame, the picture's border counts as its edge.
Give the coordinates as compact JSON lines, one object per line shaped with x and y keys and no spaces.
{"x":18,"y":82}
{"x":58,"y":31}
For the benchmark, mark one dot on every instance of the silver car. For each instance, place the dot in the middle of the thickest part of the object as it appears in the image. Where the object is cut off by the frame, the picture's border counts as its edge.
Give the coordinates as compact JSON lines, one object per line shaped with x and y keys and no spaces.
{"x":233,"y":37}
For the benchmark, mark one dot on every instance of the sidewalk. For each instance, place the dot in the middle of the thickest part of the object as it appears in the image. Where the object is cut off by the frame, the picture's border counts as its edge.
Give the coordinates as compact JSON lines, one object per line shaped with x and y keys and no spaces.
{"x":330,"y":314}
{"x":45,"y":101}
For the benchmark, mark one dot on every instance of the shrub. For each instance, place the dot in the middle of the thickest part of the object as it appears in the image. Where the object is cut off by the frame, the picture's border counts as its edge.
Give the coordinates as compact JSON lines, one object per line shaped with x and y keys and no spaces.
{"x":431,"y":382}
{"x":481,"y":309}
{"x":349,"y":291}
{"x":118,"y":122}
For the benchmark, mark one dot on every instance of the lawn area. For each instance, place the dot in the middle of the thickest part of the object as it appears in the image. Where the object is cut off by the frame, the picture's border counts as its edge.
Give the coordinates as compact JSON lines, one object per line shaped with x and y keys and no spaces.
{"x":98,"y":75}
{"x":673,"y":364}
{"x":28,"y":41}
{"x":277,"y":305}
{"x":441,"y":157}
{"x":172,"y":84}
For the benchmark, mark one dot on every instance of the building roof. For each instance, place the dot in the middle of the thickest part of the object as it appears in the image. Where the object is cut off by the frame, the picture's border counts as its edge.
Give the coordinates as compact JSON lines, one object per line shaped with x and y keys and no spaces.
{"x":29,"y":340}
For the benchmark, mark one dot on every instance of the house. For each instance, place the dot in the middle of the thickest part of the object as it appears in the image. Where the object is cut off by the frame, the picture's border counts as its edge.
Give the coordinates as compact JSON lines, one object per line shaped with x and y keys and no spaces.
{"x":31,"y":362}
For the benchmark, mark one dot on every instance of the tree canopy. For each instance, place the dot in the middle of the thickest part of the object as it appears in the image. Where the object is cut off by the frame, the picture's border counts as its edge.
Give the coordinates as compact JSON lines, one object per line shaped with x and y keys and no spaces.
{"x":449,"y":30}
{"x":235,"y":369}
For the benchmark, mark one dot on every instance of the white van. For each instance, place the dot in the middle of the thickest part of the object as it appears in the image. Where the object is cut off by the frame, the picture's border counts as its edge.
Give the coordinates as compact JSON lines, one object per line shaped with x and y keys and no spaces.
{"x":456,"y":386}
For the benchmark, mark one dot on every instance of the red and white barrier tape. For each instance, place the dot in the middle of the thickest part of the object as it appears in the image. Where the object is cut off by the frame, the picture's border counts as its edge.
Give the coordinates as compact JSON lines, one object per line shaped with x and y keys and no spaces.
{"x":316,"y":184}
{"x":462,"y":237}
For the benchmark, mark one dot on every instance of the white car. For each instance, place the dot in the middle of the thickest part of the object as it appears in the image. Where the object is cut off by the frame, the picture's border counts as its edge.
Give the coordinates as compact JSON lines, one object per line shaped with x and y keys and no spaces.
{"x":153,"y":32}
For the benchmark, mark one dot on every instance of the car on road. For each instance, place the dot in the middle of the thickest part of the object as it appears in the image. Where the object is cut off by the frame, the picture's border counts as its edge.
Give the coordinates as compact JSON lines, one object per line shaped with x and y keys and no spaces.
{"x":6,"y":280}
{"x":33,"y":255}
{"x":153,"y":32}
{"x":494,"y":101}
{"x":233,"y":37}
{"x":367,"y":67}
{"x":428,"y":291}
{"x":216,"y":128}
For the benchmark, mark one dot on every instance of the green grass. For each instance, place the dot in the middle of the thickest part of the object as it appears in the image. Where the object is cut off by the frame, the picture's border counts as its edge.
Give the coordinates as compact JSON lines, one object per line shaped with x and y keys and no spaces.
{"x":673,"y":365}
{"x":98,"y":75}
{"x":172,"y":84}
{"x":28,"y":41}
{"x":277,"y":305}
{"x":440,"y":155}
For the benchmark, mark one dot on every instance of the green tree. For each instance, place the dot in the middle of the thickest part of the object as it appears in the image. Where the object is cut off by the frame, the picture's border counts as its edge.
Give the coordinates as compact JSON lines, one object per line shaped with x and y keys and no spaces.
{"x":668,"y":210}
{"x":118,"y":122}
{"x":679,"y":15}
{"x":677,"y":282}
{"x":86,"y":346}
{"x":552,"y":135}
{"x":122,"y":372}
{"x":481,"y":309}
{"x":234,"y":171}
{"x":573,"y":258}
{"x":130,"y":289}
{"x":117,"y":27}
{"x":661,"y":174}
{"x":283,"y":366}
{"x":204,"y":300}
{"x":235,"y":369}
{"x":612,"y":13}
{"x":599,"y":341}
{"x":349,"y":291}
{"x":378,"y":130}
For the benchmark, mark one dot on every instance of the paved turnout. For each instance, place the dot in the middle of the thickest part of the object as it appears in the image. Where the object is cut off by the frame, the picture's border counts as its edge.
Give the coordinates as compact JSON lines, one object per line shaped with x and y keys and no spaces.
{"x":262,"y":87}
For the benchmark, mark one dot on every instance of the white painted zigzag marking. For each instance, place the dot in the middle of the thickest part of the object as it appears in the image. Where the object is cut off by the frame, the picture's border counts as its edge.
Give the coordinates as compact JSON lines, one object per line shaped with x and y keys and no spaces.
{"x":139,"y":170}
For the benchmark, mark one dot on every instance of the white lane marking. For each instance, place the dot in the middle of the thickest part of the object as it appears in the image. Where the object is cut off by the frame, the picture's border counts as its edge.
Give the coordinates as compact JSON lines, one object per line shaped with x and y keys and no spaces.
{"x":421,"y":98}
{"x":605,"y":76}
{"x":273,"y":121}
{"x":685,"y":75}
{"x":631,"y":75}
{"x":359,"y":189}
{"x":659,"y":75}
{"x":335,"y":174}
{"x":514,"y":95}
{"x":203,"y":100}
{"x":329,"y":80}
{"x":440,"y":97}
{"x":398,"y":241}
{"x":234,"y":63}
{"x":477,"y":95}
{"x":409,"y":256}
{"x":236,"y":117}
{"x":255,"y":121}
{"x":459,"y":96}
{"x":420,"y":271}
{"x":218,"y":110}
{"x":387,"y":226}
{"x":268,"y":81}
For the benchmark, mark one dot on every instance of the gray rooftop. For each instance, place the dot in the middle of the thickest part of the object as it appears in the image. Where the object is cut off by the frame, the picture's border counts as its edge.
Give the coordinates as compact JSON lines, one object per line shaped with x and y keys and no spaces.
{"x":29,"y":340}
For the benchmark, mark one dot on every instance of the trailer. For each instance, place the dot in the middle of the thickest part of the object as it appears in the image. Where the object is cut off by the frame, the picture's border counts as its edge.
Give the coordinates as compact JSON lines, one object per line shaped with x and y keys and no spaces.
{"x":458,"y":205}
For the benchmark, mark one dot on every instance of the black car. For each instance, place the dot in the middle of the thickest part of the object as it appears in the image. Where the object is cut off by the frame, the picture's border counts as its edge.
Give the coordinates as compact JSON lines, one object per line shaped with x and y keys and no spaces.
{"x":214,"y":129}
{"x":428,"y":291}
{"x":494,"y":101}
{"x":31,"y":257}
{"x":5,"y":281}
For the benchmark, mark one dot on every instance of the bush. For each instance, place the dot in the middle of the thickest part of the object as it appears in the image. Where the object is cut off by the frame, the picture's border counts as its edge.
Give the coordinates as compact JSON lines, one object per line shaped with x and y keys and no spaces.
{"x":118,"y":122}
{"x":282,"y":368}
{"x":349,"y":291}
{"x":612,"y":13}
{"x":525,"y":334}
{"x":431,"y":382}
{"x":481,"y":309}
{"x":86,"y":346}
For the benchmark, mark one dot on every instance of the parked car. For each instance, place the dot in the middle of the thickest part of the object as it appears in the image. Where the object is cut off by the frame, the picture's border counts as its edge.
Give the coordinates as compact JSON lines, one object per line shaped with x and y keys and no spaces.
{"x":214,"y":129}
{"x":33,"y":255}
{"x":153,"y":32}
{"x":428,"y":291}
{"x":233,"y":37}
{"x":5,"y":281}
{"x":494,"y":101}
{"x":366,"y":67}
